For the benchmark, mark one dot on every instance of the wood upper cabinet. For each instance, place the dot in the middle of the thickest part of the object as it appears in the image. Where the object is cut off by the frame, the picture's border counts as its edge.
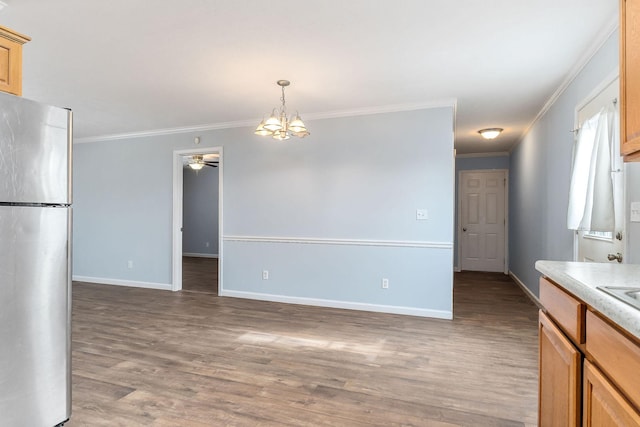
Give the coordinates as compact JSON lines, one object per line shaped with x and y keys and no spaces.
{"x":630,"y":79}
{"x":11,"y":60}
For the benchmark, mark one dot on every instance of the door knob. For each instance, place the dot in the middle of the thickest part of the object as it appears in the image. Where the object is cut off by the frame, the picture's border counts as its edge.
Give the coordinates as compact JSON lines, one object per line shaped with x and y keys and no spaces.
{"x":617,"y":256}
{"x":464,"y":229}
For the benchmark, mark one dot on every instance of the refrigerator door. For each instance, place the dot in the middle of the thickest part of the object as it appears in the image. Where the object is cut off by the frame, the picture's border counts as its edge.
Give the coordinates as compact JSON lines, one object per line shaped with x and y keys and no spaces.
{"x":35,"y":152}
{"x":35,"y":316}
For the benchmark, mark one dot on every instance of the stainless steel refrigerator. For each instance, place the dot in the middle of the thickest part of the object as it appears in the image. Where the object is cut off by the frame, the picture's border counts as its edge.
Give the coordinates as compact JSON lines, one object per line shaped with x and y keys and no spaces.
{"x":35,"y":263}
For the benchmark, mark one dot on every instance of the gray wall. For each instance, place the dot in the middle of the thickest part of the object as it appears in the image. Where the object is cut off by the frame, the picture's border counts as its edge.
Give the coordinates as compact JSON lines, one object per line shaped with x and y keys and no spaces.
{"x":329,"y":216}
{"x":473,"y":163}
{"x":540,"y":174}
{"x":200,"y":212}
{"x":122,"y":211}
{"x":632,"y":173}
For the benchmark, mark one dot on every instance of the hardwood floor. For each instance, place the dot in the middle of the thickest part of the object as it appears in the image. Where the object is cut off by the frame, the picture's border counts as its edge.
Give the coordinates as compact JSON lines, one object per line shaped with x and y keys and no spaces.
{"x":200,"y":275}
{"x":157,"y":358}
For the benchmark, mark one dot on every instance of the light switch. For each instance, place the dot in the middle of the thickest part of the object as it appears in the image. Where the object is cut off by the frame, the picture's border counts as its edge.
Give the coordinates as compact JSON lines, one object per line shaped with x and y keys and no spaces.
{"x":635,"y":212}
{"x":422,"y":214}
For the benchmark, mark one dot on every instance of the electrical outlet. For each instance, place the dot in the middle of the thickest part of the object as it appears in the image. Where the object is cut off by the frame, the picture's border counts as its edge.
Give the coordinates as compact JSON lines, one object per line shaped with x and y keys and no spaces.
{"x":265,"y":274}
{"x":422,"y":215}
{"x":635,"y":212}
{"x":385,"y":283}
{"x":206,"y":244}
{"x":129,"y":264}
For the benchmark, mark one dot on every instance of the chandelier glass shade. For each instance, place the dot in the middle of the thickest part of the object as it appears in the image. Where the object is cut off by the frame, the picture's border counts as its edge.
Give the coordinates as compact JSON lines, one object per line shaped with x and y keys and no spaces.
{"x":279,"y":126}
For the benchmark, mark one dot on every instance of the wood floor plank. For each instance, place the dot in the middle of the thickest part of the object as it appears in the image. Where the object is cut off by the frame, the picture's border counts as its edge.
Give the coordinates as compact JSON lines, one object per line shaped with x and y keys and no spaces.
{"x":200,"y":275}
{"x":157,"y":358}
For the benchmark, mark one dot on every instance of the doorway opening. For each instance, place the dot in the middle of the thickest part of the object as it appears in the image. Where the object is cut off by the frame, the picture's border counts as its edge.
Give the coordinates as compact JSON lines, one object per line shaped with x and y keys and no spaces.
{"x":195,"y":265}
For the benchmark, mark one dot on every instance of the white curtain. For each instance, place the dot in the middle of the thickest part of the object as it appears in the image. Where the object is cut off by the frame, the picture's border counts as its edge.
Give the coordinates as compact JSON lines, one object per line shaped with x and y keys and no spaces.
{"x":591,"y":205}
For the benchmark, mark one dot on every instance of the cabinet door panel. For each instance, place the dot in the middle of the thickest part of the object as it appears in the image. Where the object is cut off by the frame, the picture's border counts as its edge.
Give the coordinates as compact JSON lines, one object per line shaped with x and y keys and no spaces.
{"x":11,"y":60}
{"x":629,"y":80}
{"x":560,"y":377}
{"x":604,"y":406}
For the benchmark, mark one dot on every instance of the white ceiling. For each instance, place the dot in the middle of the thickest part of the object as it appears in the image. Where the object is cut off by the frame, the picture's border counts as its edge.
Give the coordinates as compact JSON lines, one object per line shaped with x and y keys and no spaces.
{"x":127,"y":66}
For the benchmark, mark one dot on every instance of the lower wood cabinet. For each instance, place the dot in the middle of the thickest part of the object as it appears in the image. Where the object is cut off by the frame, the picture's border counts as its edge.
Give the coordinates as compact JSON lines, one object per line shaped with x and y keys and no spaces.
{"x":560,"y":377}
{"x":590,"y":381}
{"x":604,"y":406}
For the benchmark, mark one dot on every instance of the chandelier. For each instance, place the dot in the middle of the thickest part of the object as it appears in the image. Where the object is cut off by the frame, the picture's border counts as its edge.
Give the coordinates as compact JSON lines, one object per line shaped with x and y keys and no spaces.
{"x":278,"y":125}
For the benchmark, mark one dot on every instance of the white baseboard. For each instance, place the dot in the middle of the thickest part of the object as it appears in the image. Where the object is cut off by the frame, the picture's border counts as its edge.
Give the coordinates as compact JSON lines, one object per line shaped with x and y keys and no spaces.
{"x":118,"y":282}
{"x":409,"y":311}
{"x":196,"y":255}
{"x":526,"y":290}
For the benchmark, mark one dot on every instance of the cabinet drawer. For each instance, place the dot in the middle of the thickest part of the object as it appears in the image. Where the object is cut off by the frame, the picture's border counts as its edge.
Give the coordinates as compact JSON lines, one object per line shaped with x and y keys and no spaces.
{"x":567,"y":311}
{"x":616,"y":355}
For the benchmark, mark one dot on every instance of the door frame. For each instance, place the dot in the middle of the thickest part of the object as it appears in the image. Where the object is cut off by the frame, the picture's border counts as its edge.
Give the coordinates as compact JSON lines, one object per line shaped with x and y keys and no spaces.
{"x":505,"y":173}
{"x":176,"y":230}
{"x":604,"y":84}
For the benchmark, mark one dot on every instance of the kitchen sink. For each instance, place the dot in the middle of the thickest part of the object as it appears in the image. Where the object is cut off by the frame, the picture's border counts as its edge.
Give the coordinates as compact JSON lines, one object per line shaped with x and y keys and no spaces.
{"x":630,"y":295}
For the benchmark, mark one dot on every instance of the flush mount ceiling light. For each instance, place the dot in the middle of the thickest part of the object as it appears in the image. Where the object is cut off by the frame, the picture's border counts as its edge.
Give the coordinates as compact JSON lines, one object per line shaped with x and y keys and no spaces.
{"x":490,"y":133}
{"x":278,"y":125}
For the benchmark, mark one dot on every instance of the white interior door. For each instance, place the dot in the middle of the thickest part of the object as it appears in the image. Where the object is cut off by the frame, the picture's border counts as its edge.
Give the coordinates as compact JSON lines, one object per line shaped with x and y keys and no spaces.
{"x":600,"y":246}
{"x":482,"y":225}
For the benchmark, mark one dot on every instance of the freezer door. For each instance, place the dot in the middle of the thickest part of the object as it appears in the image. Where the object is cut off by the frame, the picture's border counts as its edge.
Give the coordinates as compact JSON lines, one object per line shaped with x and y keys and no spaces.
{"x":35,"y":152}
{"x":35,"y":316}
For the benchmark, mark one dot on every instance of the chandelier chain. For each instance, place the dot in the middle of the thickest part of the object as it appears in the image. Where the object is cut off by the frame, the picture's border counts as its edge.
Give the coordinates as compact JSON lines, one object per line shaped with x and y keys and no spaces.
{"x":282,"y":99}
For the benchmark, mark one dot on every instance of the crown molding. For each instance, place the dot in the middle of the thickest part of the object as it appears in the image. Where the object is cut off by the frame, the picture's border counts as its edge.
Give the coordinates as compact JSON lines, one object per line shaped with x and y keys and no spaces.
{"x":395,"y":108}
{"x":488,"y":154}
{"x":166,"y":131}
{"x":582,"y":62}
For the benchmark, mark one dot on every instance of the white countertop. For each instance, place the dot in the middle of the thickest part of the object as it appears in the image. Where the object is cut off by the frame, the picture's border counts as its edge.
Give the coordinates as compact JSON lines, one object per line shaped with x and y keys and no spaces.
{"x":582,"y":278}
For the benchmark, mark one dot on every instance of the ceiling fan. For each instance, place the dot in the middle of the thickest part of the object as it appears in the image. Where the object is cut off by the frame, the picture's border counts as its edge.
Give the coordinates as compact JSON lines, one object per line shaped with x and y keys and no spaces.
{"x":198,"y":161}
